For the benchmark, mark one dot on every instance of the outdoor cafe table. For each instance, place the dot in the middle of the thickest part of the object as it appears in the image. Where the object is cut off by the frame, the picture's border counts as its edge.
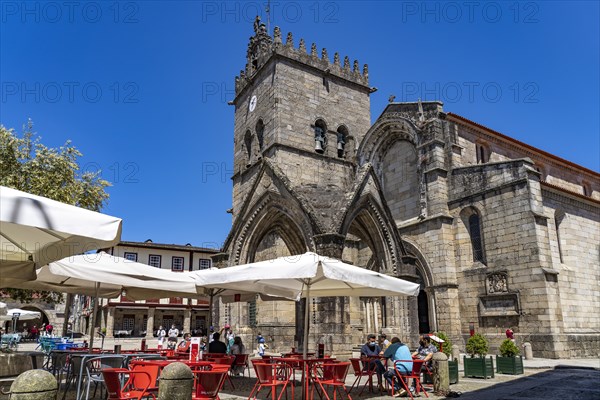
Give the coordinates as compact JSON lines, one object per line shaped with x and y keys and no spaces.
{"x":307,"y":365}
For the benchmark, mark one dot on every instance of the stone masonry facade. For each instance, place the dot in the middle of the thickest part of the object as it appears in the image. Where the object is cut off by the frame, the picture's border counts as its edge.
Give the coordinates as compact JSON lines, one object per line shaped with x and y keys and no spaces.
{"x":498,"y":233}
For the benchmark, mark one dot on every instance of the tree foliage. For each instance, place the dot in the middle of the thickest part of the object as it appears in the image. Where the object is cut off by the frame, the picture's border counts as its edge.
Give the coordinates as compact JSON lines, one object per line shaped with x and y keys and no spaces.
{"x":508,"y":348}
{"x":28,"y":165}
{"x":477,"y":345}
{"x":447,"y":345}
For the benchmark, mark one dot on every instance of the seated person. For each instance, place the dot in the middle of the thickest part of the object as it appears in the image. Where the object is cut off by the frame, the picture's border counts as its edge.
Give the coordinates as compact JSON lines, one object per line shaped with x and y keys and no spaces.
{"x":372,"y":349}
{"x":184,"y":345}
{"x":425,"y":350}
{"x":216,"y":346}
{"x":398,"y":351}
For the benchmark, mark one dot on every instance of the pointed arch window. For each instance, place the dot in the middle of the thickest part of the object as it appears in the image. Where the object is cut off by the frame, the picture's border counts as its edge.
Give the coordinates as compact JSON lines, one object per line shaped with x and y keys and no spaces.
{"x":248,"y":144}
{"x":483,"y":153}
{"x":260,"y":132}
{"x":476,"y":239}
{"x":320,"y":136}
{"x":342,"y":137}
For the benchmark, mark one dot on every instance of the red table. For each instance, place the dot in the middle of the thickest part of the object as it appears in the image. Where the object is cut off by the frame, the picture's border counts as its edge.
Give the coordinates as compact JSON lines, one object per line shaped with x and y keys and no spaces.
{"x":307,"y":365}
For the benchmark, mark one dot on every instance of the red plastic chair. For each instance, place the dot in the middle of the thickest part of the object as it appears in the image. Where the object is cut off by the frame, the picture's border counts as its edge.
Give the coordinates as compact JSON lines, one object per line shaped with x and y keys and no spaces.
{"x":272,"y":375}
{"x":415,"y":374}
{"x":149,"y":381}
{"x":112,"y":381}
{"x":241,"y":360}
{"x":331,"y":374}
{"x":359,"y":372}
{"x":208,"y":383}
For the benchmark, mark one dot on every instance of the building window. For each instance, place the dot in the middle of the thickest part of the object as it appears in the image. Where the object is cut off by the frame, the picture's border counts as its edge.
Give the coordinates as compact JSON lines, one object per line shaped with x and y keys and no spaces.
{"x":154,"y":260}
{"x":130,"y":256}
{"x":204,"y":263}
{"x":248,"y":144}
{"x":176,"y":300}
{"x":260,"y":133}
{"x":483,"y":153}
{"x":167,"y":321}
{"x":342,"y":135}
{"x":476,"y":240}
{"x":587,"y":189}
{"x":320,"y":136}
{"x":252,"y":313}
{"x":128,"y":322}
{"x":177,"y":264}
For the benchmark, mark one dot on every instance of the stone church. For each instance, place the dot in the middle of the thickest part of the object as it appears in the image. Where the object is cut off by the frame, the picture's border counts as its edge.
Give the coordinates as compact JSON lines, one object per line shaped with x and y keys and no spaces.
{"x":498,"y":233}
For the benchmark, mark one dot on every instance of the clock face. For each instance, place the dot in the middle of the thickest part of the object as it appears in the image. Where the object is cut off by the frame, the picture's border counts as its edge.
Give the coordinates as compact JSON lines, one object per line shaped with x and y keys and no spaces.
{"x":252,"y":104}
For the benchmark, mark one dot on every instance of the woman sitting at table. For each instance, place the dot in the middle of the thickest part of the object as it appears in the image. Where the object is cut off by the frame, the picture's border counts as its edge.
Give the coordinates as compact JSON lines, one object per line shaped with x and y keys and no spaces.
{"x":184,"y":345}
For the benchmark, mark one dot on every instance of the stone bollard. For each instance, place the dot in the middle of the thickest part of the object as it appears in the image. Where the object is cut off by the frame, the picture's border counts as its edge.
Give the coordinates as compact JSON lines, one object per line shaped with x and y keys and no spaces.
{"x":35,"y":384}
{"x":527,"y":351}
{"x":456,"y":354}
{"x":176,"y":382}
{"x":441,"y":375}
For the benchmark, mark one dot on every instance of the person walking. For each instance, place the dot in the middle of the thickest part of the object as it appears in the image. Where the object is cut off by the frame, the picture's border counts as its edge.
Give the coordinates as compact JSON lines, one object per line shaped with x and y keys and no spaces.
{"x":161,"y":334}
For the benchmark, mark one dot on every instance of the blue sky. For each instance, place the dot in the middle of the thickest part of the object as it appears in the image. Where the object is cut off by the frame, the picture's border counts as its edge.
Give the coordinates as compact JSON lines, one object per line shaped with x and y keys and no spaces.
{"x":141,"y":87}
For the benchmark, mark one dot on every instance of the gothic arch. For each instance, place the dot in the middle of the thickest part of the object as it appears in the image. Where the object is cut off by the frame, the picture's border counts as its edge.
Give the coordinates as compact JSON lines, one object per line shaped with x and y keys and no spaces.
{"x":368,"y":221}
{"x":273,"y":212}
{"x":381,"y":135}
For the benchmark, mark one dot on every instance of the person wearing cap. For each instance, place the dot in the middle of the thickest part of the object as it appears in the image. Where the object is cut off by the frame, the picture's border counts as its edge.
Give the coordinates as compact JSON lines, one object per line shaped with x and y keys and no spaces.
{"x":372,"y":351}
{"x":262,"y":346}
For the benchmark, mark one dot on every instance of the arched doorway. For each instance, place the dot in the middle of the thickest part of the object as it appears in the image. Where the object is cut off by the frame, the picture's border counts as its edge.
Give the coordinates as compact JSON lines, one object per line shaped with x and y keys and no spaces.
{"x":423,"y":306}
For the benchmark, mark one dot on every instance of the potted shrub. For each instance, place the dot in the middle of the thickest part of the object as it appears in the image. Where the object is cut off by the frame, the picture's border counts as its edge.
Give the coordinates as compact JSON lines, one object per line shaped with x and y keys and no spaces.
{"x":447,"y":350}
{"x":510,"y":361}
{"x":478,"y":365}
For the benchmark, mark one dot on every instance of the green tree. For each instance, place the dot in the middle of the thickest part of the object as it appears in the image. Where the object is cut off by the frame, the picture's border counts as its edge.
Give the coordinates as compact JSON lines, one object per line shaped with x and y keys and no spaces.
{"x":27,"y":164}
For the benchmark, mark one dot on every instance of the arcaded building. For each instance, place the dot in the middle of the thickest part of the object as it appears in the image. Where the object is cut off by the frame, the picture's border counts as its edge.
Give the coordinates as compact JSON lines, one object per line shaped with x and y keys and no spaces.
{"x":498,"y":233}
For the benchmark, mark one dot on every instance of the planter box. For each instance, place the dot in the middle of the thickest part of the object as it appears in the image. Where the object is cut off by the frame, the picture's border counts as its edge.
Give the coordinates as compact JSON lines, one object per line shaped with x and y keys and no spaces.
{"x":452,"y":372}
{"x":479,"y":367}
{"x":509,"y":365}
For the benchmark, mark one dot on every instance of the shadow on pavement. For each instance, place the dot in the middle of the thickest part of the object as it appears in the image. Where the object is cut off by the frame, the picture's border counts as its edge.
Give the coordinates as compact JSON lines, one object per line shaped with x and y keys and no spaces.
{"x":563,"y":383}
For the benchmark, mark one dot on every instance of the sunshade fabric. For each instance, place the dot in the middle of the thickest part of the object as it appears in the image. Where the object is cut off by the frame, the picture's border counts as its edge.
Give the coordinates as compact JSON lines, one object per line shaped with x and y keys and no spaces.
{"x":35,"y":231}
{"x":24,"y":315}
{"x":79,"y":274}
{"x":290,"y":276}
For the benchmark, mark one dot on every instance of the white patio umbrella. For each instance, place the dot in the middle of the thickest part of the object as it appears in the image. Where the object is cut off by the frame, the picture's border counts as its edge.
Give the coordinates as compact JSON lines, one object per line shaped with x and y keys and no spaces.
{"x":309,"y":275}
{"x":103,"y":275}
{"x":209,"y":282}
{"x":35,"y":231}
{"x":24,"y":315}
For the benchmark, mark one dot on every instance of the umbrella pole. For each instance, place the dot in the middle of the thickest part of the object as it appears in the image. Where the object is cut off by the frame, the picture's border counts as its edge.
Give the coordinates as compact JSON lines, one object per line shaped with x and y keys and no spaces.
{"x":210,"y":311}
{"x":306,"y":317}
{"x":93,"y":327}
